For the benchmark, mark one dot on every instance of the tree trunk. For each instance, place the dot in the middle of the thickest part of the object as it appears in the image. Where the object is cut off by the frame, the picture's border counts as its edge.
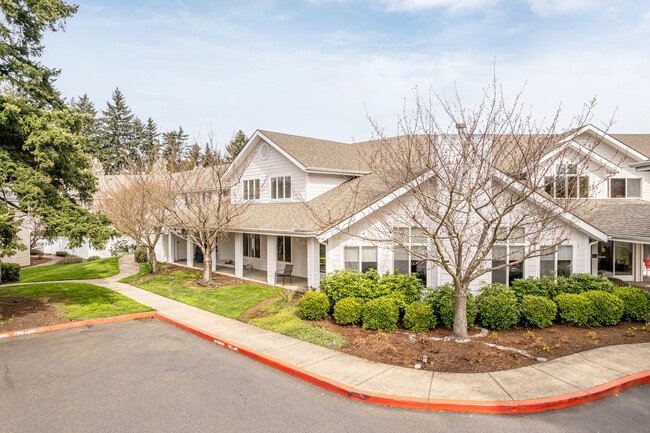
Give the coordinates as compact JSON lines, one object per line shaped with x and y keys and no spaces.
{"x":460,"y":314}
{"x":207,"y":267}
{"x":153,"y":260}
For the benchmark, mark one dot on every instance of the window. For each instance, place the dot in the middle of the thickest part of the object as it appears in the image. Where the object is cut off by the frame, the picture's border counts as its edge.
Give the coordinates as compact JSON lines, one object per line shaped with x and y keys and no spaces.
{"x":511,"y":252}
{"x":284,"y":249}
{"x":624,"y":188}
{"x":567,"y":183}
{"x":252,"y":189}
{"x":557,"y":262}
{"x":280,"y":187}
{"x":410,"y":260}
{"x":360,"y":258}
{"x":252,"y":245}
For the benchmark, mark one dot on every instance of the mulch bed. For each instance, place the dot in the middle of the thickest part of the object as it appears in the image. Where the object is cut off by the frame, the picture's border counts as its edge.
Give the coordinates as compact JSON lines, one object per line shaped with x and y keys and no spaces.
{"x":18,"y":312}
{"x":35,"y":260}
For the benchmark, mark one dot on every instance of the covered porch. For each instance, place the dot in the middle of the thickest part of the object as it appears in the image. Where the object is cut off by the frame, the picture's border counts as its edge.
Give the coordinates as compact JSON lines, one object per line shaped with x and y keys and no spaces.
{"x":623,"y":259}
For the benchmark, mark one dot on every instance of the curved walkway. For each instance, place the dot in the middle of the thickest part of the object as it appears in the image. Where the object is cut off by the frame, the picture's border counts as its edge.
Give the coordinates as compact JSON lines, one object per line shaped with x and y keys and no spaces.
{"x":562,"y":382}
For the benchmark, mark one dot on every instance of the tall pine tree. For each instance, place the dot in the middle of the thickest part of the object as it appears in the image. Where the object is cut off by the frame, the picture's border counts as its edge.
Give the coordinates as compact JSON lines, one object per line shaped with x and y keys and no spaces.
{"x":236,"y":144}
{"x":117,"y":136}
{"x":150,"y":145}
{"x":90,"y":126}
{"x":174,"y":148}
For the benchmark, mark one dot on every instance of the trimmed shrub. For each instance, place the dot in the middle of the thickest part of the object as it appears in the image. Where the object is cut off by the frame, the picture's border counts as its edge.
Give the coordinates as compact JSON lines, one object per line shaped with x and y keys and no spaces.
{"x":10,"y":272}
{"x":497,"y":306}
{"x":635,"y":304}
{"x":62,"y":254}
{"x":537,"y":311}
{"x":575,"y":308}
{"x":403,"y":289}
{"x":544,"y":286}
{"x":36,"y":252}
{"x":347,"y":284}
{"x":348,"y":311}
{"x":92,"y":258}
{"x":442,"y":301}
{"x":380,"y":314}
{"x":608,"y":308}
{"x":140,"y":255}
{"x":419,"y":317}
{"x":580,"y":283}
{"x":313,"y":306}
{"x":70,"y":260}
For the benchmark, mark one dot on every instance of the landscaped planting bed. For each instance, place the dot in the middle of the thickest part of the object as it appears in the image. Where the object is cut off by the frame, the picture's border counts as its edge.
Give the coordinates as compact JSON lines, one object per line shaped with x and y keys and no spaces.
{"x":532,"y":321}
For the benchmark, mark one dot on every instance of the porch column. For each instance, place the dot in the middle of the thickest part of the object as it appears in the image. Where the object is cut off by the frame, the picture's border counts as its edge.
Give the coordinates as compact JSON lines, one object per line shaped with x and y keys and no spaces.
{"x":170,"y":247}
{"x":313,"y":263}
{"x":271,"y":258}
{"x":190,"y":253}
{"x":239,"y":255}
{"x":214,"y":259}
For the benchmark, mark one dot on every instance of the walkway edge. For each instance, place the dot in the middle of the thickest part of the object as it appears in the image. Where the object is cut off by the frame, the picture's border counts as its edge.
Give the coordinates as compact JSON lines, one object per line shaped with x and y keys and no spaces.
{"x":476,"y":406}
{"x":78,"y":324}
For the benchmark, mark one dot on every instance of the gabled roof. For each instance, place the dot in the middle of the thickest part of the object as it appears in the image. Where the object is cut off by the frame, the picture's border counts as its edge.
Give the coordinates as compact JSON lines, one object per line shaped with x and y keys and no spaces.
{"x":619,"y":218}
{"x":638,"y":142}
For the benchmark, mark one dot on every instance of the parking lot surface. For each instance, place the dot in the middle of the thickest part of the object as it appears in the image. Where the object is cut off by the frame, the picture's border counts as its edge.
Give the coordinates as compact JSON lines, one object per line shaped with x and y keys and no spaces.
{"x":146,"y":375}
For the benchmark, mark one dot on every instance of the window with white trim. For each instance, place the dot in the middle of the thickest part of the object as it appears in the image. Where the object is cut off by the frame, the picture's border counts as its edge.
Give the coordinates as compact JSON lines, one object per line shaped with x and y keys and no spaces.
{"x":360,"y":258}
{"x":251,"y":189}
{"x":284,"y":249}
{"x":410,"y":248}
{"x":567,"y":183}
{"x":252,"y":245}
{"x":624,"y":188}
{"x":509,"y":252}
{"x":280,"y":187}
{"x":556,"y":261}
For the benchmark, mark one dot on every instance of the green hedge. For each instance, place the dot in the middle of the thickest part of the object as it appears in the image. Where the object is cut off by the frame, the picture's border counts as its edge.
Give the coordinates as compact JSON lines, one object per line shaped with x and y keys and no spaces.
{"x":497,"y":306}
{"x":607,"y":308}
{"x":92,"y":258}
{"x":380,"y":314}
{"x":348,"y":311}
{"x":580,"y":283}
{"x":140,"y":255}
{"x":575,"y":308}
{"x":443,"y":304}
{"x":419,"y":317}
{"x":544,"y":286}
{"x":403,"y":289}
{"x":636,"y":305}
{"x":537,"y":311}
{"x":70,"y":260}
{"x":313,"y":306}
{"x":10,"y":272}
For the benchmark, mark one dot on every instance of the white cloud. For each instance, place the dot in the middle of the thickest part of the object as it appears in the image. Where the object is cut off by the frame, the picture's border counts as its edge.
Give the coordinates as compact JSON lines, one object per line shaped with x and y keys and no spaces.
{"x":418,"y":5}
{"x":555,"y":7}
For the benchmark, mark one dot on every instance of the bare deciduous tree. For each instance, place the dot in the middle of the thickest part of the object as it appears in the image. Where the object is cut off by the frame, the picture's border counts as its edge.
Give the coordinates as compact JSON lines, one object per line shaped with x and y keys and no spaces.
{"x":467,"y":181}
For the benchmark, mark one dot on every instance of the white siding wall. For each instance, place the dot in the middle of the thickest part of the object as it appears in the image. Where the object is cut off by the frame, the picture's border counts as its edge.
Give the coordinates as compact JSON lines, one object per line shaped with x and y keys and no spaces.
{"x":321,"y":183}
{"x":21,"y":257}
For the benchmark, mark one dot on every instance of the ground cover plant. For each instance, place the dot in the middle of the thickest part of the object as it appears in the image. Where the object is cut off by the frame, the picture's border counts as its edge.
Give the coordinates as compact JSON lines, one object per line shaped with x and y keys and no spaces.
{"x":74,"y":301}
{"x":102,"y":268}
{"x":229,"y":301}
{"x":283,"y":319}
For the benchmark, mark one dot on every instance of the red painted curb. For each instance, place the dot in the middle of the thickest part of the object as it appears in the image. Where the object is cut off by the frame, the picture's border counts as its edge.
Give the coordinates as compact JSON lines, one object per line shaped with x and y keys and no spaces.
{"x":77,"y":324}
{"x":476,"y":406}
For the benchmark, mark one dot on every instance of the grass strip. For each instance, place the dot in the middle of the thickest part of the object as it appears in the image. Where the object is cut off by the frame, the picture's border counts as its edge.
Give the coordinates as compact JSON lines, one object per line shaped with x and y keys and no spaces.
{"x":102,"y":268}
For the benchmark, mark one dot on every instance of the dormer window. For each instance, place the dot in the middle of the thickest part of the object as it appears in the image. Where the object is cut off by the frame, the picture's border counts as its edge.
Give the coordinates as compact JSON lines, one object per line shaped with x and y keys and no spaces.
{"x":624,"y":188}
{"x":252,"y":189}
{"x":567,"y":183}
{"x":280,"y":187}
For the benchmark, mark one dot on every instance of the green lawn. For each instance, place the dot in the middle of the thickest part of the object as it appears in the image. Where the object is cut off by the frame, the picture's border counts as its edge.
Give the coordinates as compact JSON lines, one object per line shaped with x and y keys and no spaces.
{"x":102,"y":268}
{"x":78,"y":301}
{"x":228,"y":301}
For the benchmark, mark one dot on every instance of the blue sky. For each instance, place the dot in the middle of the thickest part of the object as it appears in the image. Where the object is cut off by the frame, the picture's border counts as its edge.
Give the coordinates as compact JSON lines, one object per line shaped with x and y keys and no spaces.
{"x":320,"y":67}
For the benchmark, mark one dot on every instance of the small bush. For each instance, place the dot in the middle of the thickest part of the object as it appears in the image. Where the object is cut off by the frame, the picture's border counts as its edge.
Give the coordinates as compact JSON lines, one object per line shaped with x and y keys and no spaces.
{"x":380,"y":314}
{"x":313,"y":306}
{"x":580,"y":283}
{"x":404,"y":289}
{"x":92,"y":258}
{"x":10,"y":272}
{"x":544,"y":286}
{"x":575,"y":308}
{"x":608,"y":308}
{"x":419,"y":317}
{"x":70,"y":260}
{"x":537,"y":311}
{"x":140,"y":255}
{"x":62,"y":254}
{"x":497,"y":307}
{"x":635,"y":304}
{"x":36,"y":252}
{"x":347,"y":284}
{"x":348,"y":311}
{"x":442,"y":301}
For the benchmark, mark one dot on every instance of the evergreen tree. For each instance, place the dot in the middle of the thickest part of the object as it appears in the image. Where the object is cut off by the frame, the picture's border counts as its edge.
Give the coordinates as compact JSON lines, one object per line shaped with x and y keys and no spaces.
{"x":90,"y":128}
{"x":194,"y":156}
{"x":174,"y":147}
{"x":208,"y":156}
{"x":117,"y":133}
{"x":236,"y":144}
{"x":150,"y":145}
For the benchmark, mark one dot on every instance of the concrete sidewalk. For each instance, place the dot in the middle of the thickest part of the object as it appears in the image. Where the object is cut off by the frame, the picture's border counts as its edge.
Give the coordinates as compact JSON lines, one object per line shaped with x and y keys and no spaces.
{"x":558,"y":377}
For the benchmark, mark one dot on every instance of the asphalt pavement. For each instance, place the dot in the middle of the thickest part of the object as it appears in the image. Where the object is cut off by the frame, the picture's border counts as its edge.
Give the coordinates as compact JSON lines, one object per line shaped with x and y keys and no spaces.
{"x":146,"y":375}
